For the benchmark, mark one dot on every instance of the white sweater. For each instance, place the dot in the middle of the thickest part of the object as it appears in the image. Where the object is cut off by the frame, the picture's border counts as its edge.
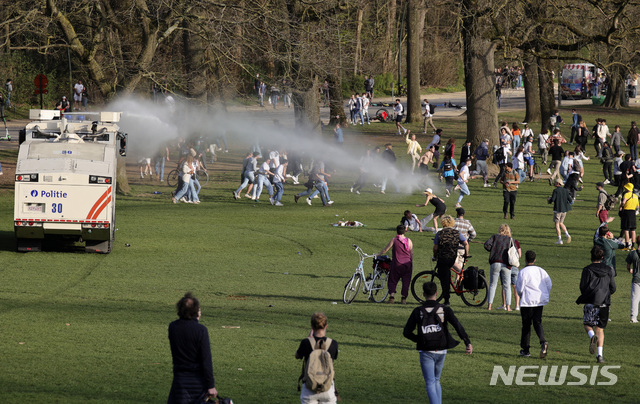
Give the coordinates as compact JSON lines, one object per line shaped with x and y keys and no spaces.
{"x":533,"y":286}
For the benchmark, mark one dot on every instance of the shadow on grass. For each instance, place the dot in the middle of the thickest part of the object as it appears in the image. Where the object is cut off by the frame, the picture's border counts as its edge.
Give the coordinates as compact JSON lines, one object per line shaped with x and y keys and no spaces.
{"x":313,"y":276}
{"x":288,"y":297}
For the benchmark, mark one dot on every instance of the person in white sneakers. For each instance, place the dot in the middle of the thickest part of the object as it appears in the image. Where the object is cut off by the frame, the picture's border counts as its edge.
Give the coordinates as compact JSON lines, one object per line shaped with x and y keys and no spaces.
{"x":413,"y":150}
{"x":463,"y":179}
{"x":398,"y":110}
{"x":533,"y":286}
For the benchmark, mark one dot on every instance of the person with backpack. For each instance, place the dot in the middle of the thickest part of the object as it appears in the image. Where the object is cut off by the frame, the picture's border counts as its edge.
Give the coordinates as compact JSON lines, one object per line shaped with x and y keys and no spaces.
{"x":533,"y":286}
{"x":448,"y":168}
{"x":445,"y":251}
{"x":500,"y":157}
{"x":605,"y":203}
{"x":606,"y":158}
{"x":428,"y":116}
{"x":432,"y":339}
{"x":318,"y":353}
{"x":575,"y":125}
{"x":597,"y":284}
{"x":401,"y":264}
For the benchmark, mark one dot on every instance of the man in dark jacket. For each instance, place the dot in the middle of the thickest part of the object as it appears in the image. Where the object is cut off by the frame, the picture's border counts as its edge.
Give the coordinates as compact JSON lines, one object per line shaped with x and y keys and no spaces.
{"x":596,"y":286}
{"x":433,"y":338}
{"x":561,"y":205}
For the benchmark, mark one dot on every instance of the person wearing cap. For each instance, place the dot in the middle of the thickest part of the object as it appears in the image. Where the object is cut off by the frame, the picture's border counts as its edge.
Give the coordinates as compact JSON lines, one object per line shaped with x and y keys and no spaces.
{"x":628,"y":207}
{"x":481,"y":153}
{"x":601,"y":212}
{"x":438,"y":203}
{"x":561,"y":205}
{"x":463,"y":179}
{"x":604,"y":239}
{"x":63,"y":105}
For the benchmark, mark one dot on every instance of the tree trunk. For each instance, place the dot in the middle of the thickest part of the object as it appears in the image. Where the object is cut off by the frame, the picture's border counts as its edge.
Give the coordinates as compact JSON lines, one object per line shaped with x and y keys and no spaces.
{"x":482,"y":106}
{"x":531,"y":89}
{"x":387,"y":63}
{"x":358,"y":50}
{"x":547,"y":100}
{"x":122,"y":182}
{"x":306,"y":108}
{"x":414,"y":28}
{"x":195,"y":66}
{"x":616,"y":92}
{"x":336,"y":104}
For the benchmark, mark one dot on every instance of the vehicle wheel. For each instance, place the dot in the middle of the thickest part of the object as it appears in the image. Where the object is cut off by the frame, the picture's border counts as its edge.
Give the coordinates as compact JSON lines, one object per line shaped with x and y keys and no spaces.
{"x":351,"y":289}
{"x":476,"y":298}
{"x":203,"y":177}
{"x":379,"y":289}
{"x":172,"y":178}
{"x":419,"y":280}
{"x":382,"y":115}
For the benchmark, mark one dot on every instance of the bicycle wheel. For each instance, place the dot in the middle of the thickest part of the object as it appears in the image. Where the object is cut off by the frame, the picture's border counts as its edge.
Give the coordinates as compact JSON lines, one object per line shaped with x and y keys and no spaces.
{"x":379,"y":289}
{"x":203,"y":177}
{"x":536,"y":172}
{"x":351,"y":289}
{"x":419,"y":280}
{"x":172,"y":178}
{"x":477,"y":297}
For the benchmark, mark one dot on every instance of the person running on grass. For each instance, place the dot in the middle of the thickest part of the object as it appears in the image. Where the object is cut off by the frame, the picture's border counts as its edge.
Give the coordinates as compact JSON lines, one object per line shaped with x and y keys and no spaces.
{"x":597,"y":284}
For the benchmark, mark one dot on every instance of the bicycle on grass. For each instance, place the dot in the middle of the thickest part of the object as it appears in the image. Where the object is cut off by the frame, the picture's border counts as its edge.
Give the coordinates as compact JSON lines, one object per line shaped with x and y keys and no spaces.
{"x":375,"y":284}
{"x":201,"y":175}
{"x":474,"y":295}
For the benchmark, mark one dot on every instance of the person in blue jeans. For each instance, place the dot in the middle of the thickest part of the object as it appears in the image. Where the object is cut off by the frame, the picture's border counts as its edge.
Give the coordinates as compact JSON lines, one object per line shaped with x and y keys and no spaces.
{"x":431,"y":321}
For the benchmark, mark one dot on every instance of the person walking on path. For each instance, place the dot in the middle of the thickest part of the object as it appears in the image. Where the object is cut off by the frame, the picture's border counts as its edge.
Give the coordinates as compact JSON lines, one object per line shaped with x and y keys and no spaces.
{"x":533,"y":286}
{"x":401,"y":264}
{"x":432,"y":339}
{"x":597,"y":284}
{"x":562,"y":201}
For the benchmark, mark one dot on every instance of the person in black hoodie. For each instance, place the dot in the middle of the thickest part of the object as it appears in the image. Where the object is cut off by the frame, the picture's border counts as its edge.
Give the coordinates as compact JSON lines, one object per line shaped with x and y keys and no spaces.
{"x":597,"y":284}
{"x":433,"y":338}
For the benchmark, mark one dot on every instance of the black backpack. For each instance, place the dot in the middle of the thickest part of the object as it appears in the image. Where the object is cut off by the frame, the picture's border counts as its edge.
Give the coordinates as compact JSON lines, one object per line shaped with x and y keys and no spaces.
{"x":498,"y":155}
{"x":470,"y":281}
{"x":431,"y":331}
{"x":432,"y":109}
{"x":447,"y":165}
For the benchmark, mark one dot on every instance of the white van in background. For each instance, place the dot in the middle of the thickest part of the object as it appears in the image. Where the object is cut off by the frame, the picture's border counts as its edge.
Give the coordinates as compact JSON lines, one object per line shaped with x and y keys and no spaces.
{"x":576,"y":79}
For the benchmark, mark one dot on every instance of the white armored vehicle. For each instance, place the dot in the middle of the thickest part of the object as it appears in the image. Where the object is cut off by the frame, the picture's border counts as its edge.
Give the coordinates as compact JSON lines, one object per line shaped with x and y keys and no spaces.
{"x":65,"y":185}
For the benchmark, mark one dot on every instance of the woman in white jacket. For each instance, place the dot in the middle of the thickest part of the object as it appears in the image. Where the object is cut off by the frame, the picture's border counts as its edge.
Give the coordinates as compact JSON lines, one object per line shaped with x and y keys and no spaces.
{"x":533,"y":287}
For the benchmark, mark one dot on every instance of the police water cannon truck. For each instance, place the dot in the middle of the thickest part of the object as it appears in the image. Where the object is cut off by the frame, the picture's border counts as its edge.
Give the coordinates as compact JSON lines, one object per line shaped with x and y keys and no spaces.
{"x":65,"y":182}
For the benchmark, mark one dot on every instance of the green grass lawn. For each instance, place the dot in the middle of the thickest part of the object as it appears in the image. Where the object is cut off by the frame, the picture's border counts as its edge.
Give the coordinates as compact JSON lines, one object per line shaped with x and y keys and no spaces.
{"x":78,"y":327}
